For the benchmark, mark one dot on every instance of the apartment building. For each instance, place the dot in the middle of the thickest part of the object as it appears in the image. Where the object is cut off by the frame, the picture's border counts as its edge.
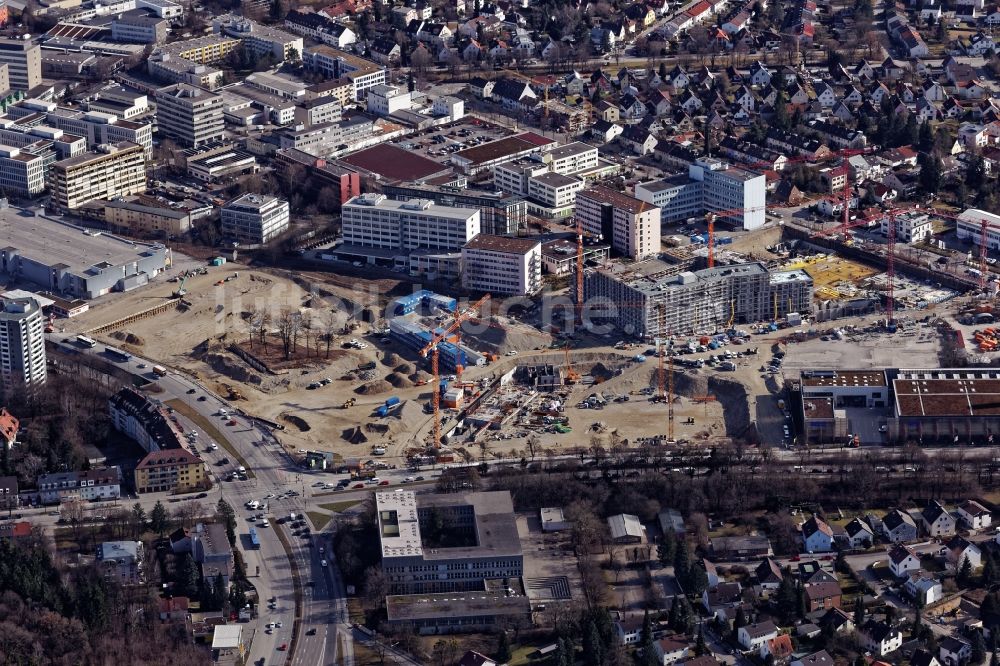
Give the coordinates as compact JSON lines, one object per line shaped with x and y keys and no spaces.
{"x":24,"y":63}
{"x":261,"y":40}
{"x":514,"y":176}
{"x":22,"y":345}
{"x":334,"y":63}
{"x":373,"y":221}
{"x":114,"y":170}
{"x":138,"y":218}
{"x":170,"y":470}
{"x":910,"y":228}
{"x":121,"y":561}
{"x":632,"y":225}
{"x":553,"y":194}
{"x":254,"y":219}
{"x":502,"y":265}
{"x":189,"y":61}
{"x":103,"y":483}
{"x":652,"y":299}
{"x":571,"y":158}
{"x":22,"y":171}
{"x":414,"y":564}
{"x":190,"y":115}
{"x":143,"y":420}
{"x":711,"y":185}
{"x":502,"y":213}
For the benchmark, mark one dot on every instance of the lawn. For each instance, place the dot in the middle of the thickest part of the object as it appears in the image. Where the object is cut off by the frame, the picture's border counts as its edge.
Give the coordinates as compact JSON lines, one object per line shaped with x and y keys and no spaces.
{"x":319,"y":520}
{"x":209,"y":429}
{"x":340,"y":507}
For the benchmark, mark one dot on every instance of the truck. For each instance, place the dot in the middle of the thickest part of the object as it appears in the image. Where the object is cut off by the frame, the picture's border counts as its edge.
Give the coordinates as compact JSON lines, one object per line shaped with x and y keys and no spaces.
{"x":159,"y":371}
{"x":392,"y":402}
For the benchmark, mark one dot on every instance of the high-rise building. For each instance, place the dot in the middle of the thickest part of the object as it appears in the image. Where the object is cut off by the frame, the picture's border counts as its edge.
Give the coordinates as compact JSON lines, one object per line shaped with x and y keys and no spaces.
{"x":372,"y":221}
{"x":254,"y":219}
{"x":632,"y":226}
{"x":24,"y":63}
{"x":190,"y":115}
{"x":22,"y":345}
{"x":115,"y":170}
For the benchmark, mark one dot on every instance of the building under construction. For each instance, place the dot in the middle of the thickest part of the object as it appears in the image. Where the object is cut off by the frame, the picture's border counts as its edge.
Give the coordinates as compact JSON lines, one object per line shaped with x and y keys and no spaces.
{"x":651,"y":299}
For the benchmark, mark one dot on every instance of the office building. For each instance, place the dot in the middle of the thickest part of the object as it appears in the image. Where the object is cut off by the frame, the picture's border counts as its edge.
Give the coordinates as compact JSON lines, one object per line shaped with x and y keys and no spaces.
{"x":711,"y":185}
{"x":218,"y":161}
{"x":98,"y":127}
{"x":373,"y":221}
{"x":121,"y":102}
{"x":502,"y":214}
{"x":334,"y":63}
{"x":190,"y":61}
{"x":190,"y":115}
{"x":652,"y":299}
{"x":24,"y":63}
{"x":553,"y":194}
{"x":115,"y":170}
{"x":502,"y":265}
{"x":66,"y":260}
{"x":141,"y":217}
{"x":969,"y":227}
{"x":22,"y":171}
{"x":632,"y":226}
{"x":910,"y":227}
{"x":139,"y":26}
{"x":415,"y":563}
{"x":260,"y":40}
{"x":384,"y":100}
{"x":254,"y":219}
{"x":162,"y":8}
{"x":22,"y":345}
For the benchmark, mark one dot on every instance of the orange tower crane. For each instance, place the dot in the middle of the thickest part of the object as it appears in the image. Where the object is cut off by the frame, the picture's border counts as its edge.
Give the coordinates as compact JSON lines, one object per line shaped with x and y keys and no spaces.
{"x":432,"y":349}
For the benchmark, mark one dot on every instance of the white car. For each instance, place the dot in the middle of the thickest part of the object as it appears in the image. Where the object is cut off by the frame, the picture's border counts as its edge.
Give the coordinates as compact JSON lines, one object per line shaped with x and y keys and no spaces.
{"x":322,"y":563}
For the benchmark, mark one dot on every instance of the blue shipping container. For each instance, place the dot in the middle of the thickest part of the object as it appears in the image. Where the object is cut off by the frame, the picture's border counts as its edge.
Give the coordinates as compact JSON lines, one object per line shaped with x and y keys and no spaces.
{"x":392,"y":402}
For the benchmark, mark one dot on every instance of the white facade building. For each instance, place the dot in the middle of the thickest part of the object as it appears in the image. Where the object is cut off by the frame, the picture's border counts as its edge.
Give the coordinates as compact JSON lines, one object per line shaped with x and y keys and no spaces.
{"x":22,"y":345}
{"x":191,"y":115}
{"x":911,"y":228}
{"x":21,"y":172}
{"x":711,"y":185}
{"x":502,"y":265}
{"x":254,"y":219}
{"x":372,"y":220}
{"x":385,"y":99}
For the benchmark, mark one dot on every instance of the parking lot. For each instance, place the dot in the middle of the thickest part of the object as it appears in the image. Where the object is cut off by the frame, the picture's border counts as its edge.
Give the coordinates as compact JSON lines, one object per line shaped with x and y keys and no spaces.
{"x":440,"y":142}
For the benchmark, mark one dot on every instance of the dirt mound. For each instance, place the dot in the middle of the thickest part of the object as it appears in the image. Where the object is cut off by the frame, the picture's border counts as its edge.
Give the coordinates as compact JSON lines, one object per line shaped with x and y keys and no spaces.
{"x":392,"y":359}
{"x":420,"y":376}
{"x":374,"y":387}
{"x":505,"y":337}
{"x":405,"y":368}
{"x":128,"y":338}
{"x":399,"y":380}
{"x":355,"y":435}
{"x":232,"y":368}
{"x":733,"y":396}
{"x":296,"y":421}
{"x":600,"y":370}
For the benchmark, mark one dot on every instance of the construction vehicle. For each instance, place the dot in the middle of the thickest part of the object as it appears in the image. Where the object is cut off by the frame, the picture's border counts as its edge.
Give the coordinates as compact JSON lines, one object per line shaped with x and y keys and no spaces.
{"x":572,"y":376}
{"x":350,"y":402}
{"x":180,"y":288}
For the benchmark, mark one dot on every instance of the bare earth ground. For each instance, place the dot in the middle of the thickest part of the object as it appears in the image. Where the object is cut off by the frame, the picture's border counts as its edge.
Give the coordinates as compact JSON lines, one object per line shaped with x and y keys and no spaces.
{"x":195,"y":341}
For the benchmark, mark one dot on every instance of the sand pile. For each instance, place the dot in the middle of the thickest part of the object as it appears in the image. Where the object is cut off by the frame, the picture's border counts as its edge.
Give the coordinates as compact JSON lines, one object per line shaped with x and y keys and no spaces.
{"x":399,"y":380}
{"x":128,"y":338}
{"x":392,"y":359}
{"x":600,"y":370}
{"x":405,"y":368}
{"x":500,"y":339}
{"x":374,"y":387}
{"x":420,"y":376}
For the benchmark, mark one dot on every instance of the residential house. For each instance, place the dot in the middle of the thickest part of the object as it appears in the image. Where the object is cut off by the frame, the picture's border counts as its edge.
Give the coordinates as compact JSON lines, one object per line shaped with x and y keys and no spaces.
{"x":678,"y":78}
{"x":821,"y":658}
{"x":954,"y":651}
{"x":385,"y":51}
{"x":630,"y":109}
{"x":880,"y":638}
{"x":15,"y":531}
{"x":922,"y":657}
{"x":514,"y":94}
{"x":712,"y":574}
{"x":689,"y":102}
{"x":837,"y":621}
{"x":670,"y":650}
{"x":769,"y":574}
{"x":8,"y":492}
{"x":820,"y":596}
{"x":753,"y":636}
{"x":760,"y":75}
{"x":817,"y":536}
{"x":779,"y":648}
{"x":639,"y":140}
{"x":722,"y":601}
{"x":605,"y":131}
{"x":959,"y":549}
{"x":174,"y":608}
{"x":974,"y":515}
{"x":629,"y":630}
{"x":121,"y":561}
{"x":735,"y":547}
{"x":923,"y":587}
{"x":937,"y":520}
{"x":473,"y":658}
{"x":903,"y":560}
{"x":626,"y":528}
{"x":859,"y":533}
{"x":9,"y":426}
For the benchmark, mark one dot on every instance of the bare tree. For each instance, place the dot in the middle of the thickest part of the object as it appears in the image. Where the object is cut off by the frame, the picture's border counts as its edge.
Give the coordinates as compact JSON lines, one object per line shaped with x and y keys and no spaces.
{"x":330,"y":325}
{"x":287,"y":325}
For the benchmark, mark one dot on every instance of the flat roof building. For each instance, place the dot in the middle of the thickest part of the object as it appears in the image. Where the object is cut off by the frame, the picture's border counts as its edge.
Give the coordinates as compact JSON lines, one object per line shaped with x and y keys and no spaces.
{"x":114,"y":170}
{"x":653,"y":299}
{"x":73,"y":261}
{"x":254,"y":219}
{"x":479,"y":159}
{"x":502,"y":214}
{"x":463,"y":538}
{"x":192,"y":116}
{"x":502,"y":265}
{"x":22,"y":347}
{"x":24,"y":63}
{"x":632,"y":226}
{"x":373,"y":221}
